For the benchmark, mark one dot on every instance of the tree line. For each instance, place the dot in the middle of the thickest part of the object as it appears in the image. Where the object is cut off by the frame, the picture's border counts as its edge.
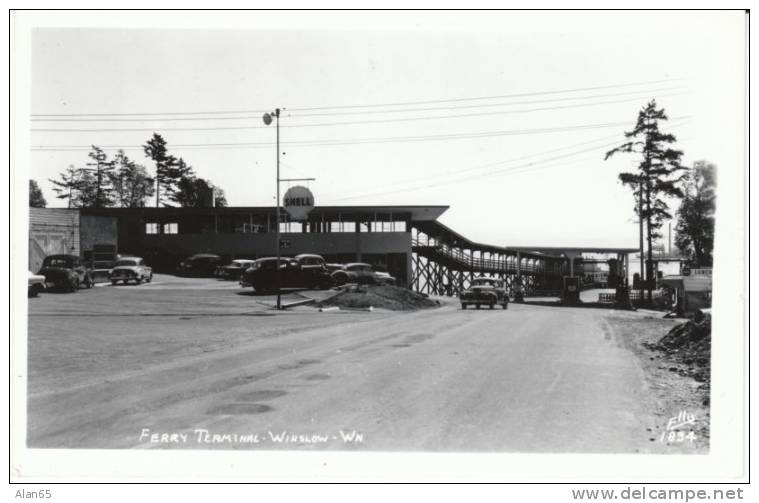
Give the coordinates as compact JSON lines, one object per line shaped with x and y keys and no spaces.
{"x":122,"y":182}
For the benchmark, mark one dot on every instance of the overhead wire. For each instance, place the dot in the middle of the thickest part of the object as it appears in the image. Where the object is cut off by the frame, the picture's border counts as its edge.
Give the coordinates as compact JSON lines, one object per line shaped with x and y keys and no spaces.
{"x":369,"y":140}
{"x":363,"y":112}
{"x":343,"y":123}
{"x":404,"y":103}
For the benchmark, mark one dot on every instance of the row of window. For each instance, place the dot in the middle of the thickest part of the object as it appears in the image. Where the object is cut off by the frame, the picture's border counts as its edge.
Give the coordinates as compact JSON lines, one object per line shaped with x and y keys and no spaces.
{"x":289,"y":227}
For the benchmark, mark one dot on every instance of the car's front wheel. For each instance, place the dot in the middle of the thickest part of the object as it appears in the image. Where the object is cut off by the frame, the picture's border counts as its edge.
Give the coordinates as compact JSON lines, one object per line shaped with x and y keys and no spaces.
{"x":463,"y":306}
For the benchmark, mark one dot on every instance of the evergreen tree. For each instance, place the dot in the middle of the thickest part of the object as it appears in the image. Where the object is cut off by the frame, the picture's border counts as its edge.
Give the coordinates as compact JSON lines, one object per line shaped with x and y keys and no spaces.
{"x":103,"y":191}
{"x":695,"y":216}
{"x":36,"y":198}
{"x":193,"y":192}
{"x":69,"y":186}
{"x":131,"y":183}
{"x":169,"y":169}
{"x":657,"y":177}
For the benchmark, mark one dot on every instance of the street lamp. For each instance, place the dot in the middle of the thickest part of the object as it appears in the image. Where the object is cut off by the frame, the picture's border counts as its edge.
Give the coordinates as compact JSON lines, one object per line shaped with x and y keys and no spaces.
{"x":267,"y":120}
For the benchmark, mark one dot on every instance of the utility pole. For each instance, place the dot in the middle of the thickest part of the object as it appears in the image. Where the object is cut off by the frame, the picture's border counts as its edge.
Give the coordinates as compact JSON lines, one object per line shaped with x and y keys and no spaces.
{"x":277,"y":278}
{"x":640,"y":229}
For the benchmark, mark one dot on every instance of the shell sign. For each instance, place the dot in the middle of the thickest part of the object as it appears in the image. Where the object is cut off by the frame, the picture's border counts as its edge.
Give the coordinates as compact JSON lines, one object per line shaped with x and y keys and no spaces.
{"x":298,"y":202}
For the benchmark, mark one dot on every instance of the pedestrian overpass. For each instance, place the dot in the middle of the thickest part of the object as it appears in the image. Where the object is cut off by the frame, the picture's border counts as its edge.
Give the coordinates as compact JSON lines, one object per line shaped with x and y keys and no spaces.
{"x":444,"y":262}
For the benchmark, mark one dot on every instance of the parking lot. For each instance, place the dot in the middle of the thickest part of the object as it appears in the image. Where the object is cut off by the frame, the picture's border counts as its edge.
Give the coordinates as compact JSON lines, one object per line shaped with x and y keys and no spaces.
{"x":203,"y":363}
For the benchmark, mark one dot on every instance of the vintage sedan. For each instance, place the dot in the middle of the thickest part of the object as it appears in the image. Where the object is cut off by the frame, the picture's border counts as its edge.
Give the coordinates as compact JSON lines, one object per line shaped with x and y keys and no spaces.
{"x":233,"y":270}
{"x":485,"y":291}
{"x":361,"y":273}
{"x":67,"y":272}
{"x":200,"y":264}
{"x":36,"y":284}
{"x":383,"y":277}
{"x":128,"y":269}
{"x":262,"y":275}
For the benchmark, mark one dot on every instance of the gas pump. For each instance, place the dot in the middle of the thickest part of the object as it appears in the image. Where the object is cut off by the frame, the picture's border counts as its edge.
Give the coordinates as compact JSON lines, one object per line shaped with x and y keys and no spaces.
{"x":570,"y":293}
{"x":518,"y":290}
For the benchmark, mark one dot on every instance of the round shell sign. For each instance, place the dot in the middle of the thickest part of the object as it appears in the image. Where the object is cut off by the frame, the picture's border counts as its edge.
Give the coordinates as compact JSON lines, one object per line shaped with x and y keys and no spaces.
{"x":298,"y":202}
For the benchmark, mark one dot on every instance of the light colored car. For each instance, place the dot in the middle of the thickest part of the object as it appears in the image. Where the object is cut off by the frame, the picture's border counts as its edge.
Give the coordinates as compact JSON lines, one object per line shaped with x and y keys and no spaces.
{"x":36,"y":284}
{"x":128,"y":269}
{"x":485,"y":291}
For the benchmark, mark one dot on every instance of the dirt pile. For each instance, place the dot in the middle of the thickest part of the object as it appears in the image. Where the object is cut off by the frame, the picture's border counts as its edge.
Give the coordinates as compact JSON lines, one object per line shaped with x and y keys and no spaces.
{"x":393,"y":298}
{"x":689,"y":344}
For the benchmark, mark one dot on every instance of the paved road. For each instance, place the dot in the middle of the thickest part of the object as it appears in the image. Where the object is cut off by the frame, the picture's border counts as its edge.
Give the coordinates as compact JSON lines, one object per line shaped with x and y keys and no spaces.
{"x":112,"y":366}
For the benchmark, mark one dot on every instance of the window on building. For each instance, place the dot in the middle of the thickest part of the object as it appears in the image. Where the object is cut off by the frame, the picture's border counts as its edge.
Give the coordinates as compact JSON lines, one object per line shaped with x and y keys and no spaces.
{"x":151,"y":228}
{"x":171,"y":228}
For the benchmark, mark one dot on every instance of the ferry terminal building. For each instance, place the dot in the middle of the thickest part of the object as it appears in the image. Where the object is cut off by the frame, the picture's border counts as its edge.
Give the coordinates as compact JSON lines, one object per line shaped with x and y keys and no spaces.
{"x":407,"y":241}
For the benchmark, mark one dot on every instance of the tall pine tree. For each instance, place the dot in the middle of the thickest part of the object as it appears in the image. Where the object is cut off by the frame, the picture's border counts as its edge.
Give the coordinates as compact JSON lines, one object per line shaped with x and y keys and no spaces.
{"x":102,"y":172}
{"x":169,"y":169}
{"x":657,"y":178}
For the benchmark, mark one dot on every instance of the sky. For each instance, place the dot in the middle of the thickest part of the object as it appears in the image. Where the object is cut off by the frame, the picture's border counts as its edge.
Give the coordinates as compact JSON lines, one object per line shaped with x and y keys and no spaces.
{"x":503,"y":116}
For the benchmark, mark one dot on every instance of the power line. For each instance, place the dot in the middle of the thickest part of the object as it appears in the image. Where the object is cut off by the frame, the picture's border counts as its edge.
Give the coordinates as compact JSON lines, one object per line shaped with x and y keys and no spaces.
{"x":363,"y":112}
{"x":344,"y":123}
{"x":332,"y":107}
{"x":359,"y":141}
{"x":523,"y":168}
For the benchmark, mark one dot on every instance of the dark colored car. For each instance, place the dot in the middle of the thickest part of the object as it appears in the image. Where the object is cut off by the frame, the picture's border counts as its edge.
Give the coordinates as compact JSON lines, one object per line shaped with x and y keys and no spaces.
{"x":233,"y":270}
{"x":292,"y":274}
{"x":200,"y":264}
{"x":485,"y":291}
{"x":361,"y":273}
{"x":67,"y":272}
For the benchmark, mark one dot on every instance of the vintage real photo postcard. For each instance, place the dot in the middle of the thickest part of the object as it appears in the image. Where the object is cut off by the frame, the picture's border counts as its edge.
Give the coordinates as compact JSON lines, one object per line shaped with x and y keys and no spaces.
{"x":409,"y":243}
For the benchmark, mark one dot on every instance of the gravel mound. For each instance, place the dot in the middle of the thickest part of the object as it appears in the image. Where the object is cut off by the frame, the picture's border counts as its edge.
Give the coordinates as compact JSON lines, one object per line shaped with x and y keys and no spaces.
{"x":393,"y":298}
{"x":689,"y":343}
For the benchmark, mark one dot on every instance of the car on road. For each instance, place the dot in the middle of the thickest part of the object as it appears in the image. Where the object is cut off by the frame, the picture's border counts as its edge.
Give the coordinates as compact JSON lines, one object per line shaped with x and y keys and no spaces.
{"x":361,"y":273}
{"x":128,"y":269}
{"x":485,"y":291}
{"x":233,"y":270}
{"x":67,"y":272}
{"x":200,"y":264}
{"x":262,"y":275}
{"x":36,"y":284}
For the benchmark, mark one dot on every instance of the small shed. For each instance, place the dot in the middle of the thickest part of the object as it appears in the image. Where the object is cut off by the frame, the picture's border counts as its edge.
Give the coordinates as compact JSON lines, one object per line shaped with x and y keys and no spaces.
{"x":691,"y":292}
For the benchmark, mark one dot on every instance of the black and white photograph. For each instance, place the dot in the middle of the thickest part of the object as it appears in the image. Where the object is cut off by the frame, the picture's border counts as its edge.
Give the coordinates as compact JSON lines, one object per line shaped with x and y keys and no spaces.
{"x":345,"y":233}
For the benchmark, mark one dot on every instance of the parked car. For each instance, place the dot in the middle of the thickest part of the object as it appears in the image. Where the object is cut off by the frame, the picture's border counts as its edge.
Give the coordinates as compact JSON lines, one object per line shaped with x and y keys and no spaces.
{"x":383,"y":277}
{"x":311,"y":261}
{"x":200,"y":264}
{"x":234,"y":269}
{"x":36,"y":284}
{"x":292,"y":274}
{"x":485,"y":291}
{"x":128,"y":269}
{"x":361,"y":273}
{"x":334,"y":267}
{"x":67,"y":272}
